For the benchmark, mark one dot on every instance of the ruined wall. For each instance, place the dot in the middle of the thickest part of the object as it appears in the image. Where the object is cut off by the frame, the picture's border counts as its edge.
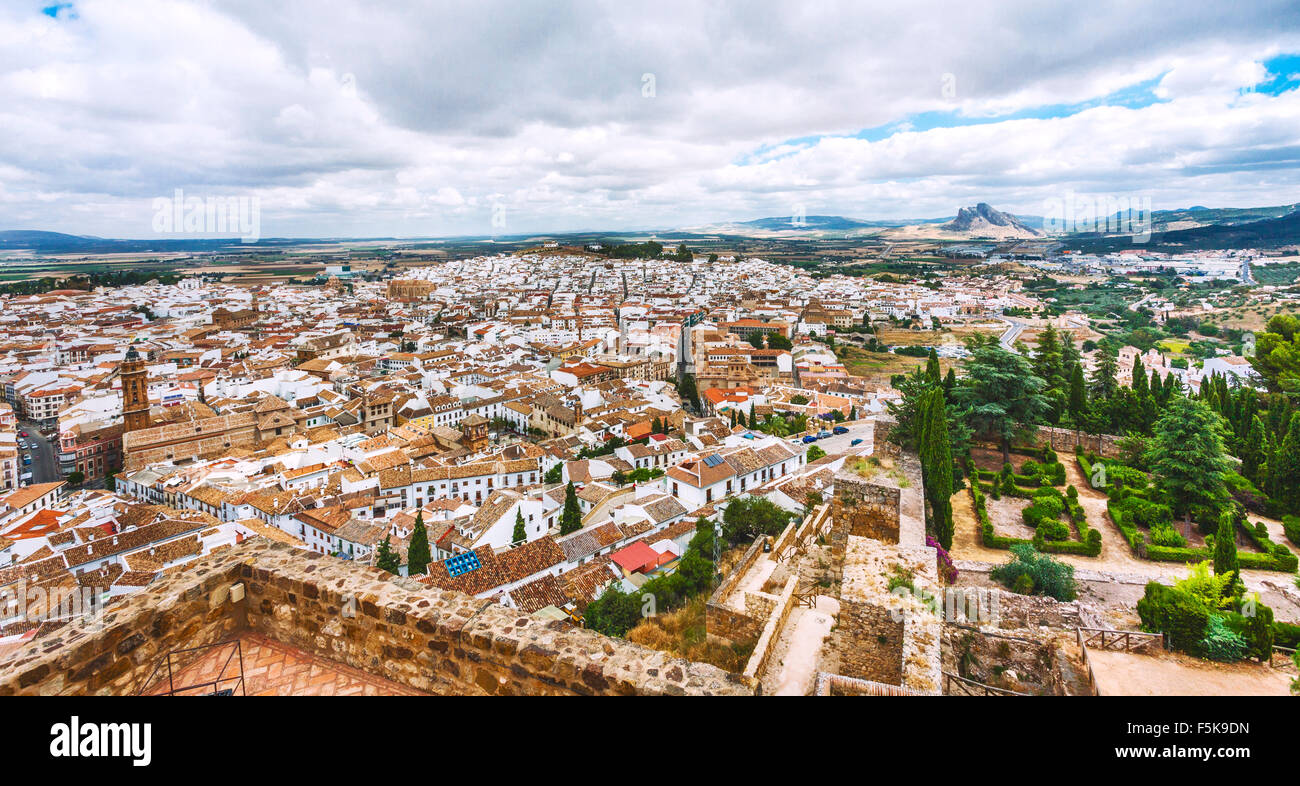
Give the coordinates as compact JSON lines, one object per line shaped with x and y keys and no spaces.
{"x":722,"y":621}
{"x":1014,"y":663}
{"x":869,"y":643}
{"x":442,"y":642}
{"x":866,"y":510}
{"x":776,"y":620}
{"x":1064,"y":440}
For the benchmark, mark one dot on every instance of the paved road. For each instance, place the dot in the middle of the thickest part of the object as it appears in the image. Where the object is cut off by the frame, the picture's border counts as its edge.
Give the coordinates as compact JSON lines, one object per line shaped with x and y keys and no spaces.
{"x":45,"y":458}
{"x":839,"y":443}
{"x":1014,"y":329}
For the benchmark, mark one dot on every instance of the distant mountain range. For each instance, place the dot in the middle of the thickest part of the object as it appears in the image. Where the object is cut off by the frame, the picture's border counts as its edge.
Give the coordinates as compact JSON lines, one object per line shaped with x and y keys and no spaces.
{"x":1236,"y":230}
{"x":1196,"y":227}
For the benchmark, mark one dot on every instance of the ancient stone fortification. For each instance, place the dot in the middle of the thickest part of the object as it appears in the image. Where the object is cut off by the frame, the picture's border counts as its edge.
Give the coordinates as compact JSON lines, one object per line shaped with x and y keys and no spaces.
{"x":878,"y":533}
{"x":1063,"y":440}
{"x":723,"y":621}
{"x":443,"y":642}
{"x":885,"y":635}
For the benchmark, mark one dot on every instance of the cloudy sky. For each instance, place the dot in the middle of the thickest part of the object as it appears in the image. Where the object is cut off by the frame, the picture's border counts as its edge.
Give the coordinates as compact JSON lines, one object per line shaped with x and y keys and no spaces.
{"x":429,"y":118}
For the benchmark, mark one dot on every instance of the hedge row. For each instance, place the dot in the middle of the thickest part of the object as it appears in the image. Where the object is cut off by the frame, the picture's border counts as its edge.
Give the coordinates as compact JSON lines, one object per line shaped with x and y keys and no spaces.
{"x":1089,"y":546}
{"x":1291,"y":526}
{"x":1275,"y":557}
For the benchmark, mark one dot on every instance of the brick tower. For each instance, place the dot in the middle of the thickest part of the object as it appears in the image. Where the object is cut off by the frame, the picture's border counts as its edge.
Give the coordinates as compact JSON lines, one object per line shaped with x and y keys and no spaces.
{"x":135,"y":392}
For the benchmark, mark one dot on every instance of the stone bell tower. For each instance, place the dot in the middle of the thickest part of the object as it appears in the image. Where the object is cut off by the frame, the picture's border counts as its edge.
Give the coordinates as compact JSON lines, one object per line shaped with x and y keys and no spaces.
{"x":135,"y":392}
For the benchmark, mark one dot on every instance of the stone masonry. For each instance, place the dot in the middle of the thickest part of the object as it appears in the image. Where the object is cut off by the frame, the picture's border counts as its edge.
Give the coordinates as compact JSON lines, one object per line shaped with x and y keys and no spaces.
{"x":427,"y":639}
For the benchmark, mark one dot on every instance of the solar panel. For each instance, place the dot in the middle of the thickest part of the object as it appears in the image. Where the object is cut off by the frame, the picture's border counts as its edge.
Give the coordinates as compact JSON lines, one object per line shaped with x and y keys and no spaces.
{"x":712,"y":461}
{"x":462,"y":564}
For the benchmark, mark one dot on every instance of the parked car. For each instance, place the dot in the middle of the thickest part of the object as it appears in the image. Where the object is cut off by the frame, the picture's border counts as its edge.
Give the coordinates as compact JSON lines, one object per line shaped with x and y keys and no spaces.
{"x":855,"y":443}
{"x":27,"y":459}
{"x":840,"y":430}
{"x":808,"y":440}
{"x":823,"y":435}
{"x":22,"y":433}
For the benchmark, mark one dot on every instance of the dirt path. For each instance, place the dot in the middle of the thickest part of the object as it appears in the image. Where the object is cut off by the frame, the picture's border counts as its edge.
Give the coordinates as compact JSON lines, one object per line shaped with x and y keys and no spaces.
{"x":1172,"y":674}
{"x":792,"y":668}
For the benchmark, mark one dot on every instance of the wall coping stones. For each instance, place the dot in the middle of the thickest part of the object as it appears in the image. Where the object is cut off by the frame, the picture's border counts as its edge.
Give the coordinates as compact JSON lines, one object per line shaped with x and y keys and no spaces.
{"x":393,"y":627}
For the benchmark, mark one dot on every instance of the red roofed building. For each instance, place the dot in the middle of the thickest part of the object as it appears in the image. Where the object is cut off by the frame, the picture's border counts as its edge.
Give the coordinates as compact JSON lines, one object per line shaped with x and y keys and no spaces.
{"x":636,"y":558}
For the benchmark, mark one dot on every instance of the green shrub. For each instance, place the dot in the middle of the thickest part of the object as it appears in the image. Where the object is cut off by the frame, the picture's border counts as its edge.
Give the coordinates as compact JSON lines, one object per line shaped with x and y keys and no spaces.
{"x":1221,"y":642}
{"x":1286,"y":634}
{"x":1051,"y":529}
{"x":1023,"y":585}
{"x":1050,"y":577}
{"x":1259,"y":633}
{"x":1126,"y":477}
{"x":1165,"y":535}
{"x":1180,"y":616}
{"x":1291,"y":526}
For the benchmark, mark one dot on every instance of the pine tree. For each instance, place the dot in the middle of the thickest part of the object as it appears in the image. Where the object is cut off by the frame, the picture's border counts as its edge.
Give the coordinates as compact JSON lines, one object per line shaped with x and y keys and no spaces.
{"x":949,"y":382}
{"x":417,"y":554}
{"x":1002,"y":393}
{"x":1069,"y":352}
{"x":386,"y":558}
{"x":1187,"y":455}
{"x":1105,"y":377}
{"x":1047,"y":359}
{"x":520,"y":534}
{"x":571,"y":518}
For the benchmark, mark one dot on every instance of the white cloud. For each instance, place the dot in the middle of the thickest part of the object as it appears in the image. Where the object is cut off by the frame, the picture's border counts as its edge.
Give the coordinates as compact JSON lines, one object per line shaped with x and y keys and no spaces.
{"x":406,"y":119}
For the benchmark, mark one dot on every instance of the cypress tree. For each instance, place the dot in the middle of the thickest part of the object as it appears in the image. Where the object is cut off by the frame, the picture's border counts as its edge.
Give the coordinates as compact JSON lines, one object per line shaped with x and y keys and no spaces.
{"x":1252,"y":452}
{"x":939,"y":472}
{"x":949,"y":382}
{"x":1225,"y":549}
{"x":1284,"y":469}
{"x":386,"y":558}
{"x":417,"y":554}
{"x":932,"y":372}
{"x":1078,"y":395}
{"x":1140,"y":386}
{"x":520,"y":534}
{"x":571,"y":518}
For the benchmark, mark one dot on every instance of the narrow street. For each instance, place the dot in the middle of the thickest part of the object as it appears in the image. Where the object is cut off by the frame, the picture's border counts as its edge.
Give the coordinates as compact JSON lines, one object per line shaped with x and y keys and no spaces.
{"x":44,"y":453}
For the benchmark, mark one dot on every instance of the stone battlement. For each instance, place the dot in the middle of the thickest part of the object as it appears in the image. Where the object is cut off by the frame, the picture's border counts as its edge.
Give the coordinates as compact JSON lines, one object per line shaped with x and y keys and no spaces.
{"x":432,"y":640}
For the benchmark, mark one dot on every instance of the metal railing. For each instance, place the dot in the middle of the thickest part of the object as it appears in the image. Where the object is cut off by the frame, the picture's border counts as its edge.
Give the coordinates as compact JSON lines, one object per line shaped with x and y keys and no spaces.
{"x":233,"y":683}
